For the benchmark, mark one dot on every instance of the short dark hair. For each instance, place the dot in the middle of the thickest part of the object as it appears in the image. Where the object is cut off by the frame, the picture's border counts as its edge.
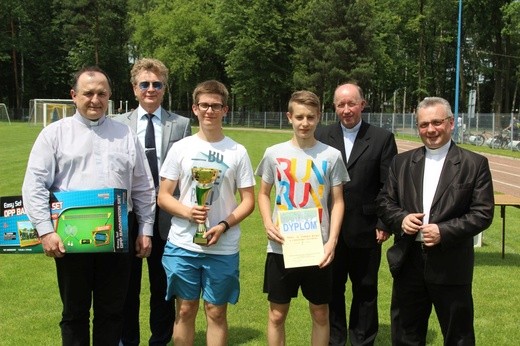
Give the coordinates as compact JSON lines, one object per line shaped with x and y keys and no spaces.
{"x":211,"y":87}
{"x":89,"y":70}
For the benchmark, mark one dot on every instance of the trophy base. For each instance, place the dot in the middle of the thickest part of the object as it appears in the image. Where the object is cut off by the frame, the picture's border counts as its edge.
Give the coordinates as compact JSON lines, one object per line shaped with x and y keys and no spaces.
{"x":198,"y":239}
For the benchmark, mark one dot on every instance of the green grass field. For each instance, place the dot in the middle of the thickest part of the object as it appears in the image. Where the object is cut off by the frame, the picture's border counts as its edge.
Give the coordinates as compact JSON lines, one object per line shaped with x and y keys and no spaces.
{"x":30,"y":306}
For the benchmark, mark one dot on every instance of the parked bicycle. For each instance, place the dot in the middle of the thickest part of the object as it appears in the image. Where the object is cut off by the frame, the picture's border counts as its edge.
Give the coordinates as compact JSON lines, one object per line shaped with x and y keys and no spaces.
{"x":475,"y":139}
{"x":501,"y":140}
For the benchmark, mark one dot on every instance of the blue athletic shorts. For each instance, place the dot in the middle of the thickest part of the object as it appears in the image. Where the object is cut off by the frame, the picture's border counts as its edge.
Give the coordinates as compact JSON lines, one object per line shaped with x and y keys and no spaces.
{"x":192,"y":274}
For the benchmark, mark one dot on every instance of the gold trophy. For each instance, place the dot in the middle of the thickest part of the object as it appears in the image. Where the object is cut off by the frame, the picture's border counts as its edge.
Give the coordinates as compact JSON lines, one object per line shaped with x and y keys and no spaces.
{"x":205,"y":177}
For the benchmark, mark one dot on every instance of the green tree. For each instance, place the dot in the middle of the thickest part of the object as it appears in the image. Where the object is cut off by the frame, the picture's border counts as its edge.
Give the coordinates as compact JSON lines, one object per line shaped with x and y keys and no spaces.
{"x":29,"y":54}
{"x":485,"y":24}
{"x":45,"y":62}
{"x":257,"y":48}
{"x":265,"y":49}
{"x":511,"y":30}
{"x":339,"y":41}
{"x":96,"y":35}
{"x":11,"y":16}
{"x":183,"y":35}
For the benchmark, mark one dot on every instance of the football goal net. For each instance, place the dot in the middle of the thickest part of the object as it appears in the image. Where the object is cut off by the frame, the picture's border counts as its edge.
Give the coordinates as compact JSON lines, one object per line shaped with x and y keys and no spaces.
{"x":45,"y":111}
{"x":4,"y":115}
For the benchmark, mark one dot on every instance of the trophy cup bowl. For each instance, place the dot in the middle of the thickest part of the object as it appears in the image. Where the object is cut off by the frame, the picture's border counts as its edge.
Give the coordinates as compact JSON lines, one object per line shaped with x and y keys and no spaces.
{"x":204,"y":178}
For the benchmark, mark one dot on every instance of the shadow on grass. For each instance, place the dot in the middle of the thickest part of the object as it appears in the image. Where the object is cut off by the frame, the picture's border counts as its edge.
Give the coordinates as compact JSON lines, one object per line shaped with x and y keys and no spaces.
{"x":383,"y":337}
{"x":384,"y":334}
{"x":431,"y":336}
{"x":241,"y":335}
{"x":236,"y":336}
{"x":495,"y":259}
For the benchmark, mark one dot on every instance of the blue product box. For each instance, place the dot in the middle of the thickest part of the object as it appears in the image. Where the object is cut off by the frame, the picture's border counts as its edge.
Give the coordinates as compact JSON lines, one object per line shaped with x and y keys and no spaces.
{"x":87,"y":221}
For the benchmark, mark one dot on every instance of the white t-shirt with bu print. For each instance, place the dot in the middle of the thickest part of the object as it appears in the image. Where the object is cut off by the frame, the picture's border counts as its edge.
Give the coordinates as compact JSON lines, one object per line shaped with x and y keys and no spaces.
{"x":235,"y":171}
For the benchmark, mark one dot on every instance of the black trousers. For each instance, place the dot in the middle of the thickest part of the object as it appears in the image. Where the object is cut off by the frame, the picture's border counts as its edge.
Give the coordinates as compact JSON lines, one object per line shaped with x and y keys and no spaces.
{"x":99,"y":280}
{"x":412,"y":301}
{"x":162,"y":312}
{"x":361,"y":265}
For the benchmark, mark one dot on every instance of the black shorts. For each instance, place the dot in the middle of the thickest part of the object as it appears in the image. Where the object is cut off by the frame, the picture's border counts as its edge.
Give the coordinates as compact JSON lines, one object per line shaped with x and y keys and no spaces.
{"x":281,"y":285}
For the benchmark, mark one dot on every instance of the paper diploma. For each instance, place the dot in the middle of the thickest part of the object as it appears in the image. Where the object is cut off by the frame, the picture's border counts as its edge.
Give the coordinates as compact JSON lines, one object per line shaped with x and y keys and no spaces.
{"x":303,"y":244}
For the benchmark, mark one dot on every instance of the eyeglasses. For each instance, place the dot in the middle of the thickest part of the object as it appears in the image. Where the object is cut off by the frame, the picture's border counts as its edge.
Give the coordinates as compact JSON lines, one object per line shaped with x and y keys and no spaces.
{"x":217,"y":107}
{"x":435,"y":123}
{"x":145,"y":85}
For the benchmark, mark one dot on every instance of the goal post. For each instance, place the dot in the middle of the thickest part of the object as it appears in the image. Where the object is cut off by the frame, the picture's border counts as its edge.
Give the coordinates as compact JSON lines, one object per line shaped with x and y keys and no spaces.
{"x":45,"y":111}
{"x":4,"y":114}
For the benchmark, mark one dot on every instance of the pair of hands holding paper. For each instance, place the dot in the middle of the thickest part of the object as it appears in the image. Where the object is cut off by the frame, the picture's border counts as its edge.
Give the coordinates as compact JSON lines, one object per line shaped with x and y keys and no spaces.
{"x":274,"y":234}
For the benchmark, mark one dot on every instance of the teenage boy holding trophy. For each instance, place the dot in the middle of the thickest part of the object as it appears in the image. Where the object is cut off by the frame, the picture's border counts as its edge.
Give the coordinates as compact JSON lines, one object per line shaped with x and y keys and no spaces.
{"x":201,"y":256}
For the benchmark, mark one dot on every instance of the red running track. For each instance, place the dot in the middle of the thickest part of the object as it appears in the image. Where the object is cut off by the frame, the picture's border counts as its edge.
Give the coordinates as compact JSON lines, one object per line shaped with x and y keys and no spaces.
{"x":504,"y":170}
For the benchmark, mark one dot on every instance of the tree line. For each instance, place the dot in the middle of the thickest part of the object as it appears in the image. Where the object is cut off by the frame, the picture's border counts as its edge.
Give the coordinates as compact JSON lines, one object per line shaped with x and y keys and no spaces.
{"x":399,"y":51}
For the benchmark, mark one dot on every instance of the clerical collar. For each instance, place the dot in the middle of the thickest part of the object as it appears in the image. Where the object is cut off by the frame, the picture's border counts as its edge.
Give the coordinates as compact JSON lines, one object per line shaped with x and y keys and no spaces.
{"x":88,"y":122}
{"x":442,"y":151}
{"x":355,"y":129}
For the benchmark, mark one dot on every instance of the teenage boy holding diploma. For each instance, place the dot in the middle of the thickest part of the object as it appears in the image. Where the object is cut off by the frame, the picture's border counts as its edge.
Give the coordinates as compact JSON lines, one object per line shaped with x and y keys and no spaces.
{"x":306,"y":174}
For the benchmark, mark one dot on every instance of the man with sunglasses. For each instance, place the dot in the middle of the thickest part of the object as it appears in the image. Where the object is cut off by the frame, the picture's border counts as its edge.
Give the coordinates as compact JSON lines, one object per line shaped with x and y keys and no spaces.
{"x":149,"y":78}
{"x":435,"y":200}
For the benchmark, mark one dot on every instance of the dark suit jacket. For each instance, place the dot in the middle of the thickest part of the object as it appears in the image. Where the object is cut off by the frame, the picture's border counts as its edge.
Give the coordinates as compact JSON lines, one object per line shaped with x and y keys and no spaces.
{"x":462,"y":207}
{"x":174,"y":128}
{"x":367,"y":167}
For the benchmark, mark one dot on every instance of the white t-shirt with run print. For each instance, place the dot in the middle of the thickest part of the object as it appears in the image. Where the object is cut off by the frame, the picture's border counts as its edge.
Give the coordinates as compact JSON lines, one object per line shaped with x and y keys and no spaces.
{"x":303,"y":178}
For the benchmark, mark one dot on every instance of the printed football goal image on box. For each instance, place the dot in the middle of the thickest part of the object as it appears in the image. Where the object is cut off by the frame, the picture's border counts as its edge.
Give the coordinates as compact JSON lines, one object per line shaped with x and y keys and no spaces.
{"x":27,"y":233}
{"x":86,"y":221}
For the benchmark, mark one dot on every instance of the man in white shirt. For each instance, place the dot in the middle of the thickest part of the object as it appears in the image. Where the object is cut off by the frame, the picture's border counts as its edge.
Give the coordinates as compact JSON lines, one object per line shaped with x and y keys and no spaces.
{"x":83,"y":152}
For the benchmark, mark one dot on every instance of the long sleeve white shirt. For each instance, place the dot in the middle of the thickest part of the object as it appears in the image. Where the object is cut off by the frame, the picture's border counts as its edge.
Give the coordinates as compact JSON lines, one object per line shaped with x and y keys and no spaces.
{"x":77,"y":154}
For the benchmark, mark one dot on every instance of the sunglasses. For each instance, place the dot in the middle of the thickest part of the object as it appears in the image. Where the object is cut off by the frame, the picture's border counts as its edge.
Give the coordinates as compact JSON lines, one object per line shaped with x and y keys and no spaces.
{"x":145,"y":85}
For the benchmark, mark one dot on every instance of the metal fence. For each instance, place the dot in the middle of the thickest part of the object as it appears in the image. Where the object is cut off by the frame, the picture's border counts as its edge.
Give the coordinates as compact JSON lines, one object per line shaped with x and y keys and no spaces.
{"x":479,"y":129}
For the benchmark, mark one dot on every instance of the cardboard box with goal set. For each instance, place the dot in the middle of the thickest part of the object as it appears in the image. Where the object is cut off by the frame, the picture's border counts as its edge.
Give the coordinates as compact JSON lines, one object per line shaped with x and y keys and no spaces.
{"x":86,"y":221}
